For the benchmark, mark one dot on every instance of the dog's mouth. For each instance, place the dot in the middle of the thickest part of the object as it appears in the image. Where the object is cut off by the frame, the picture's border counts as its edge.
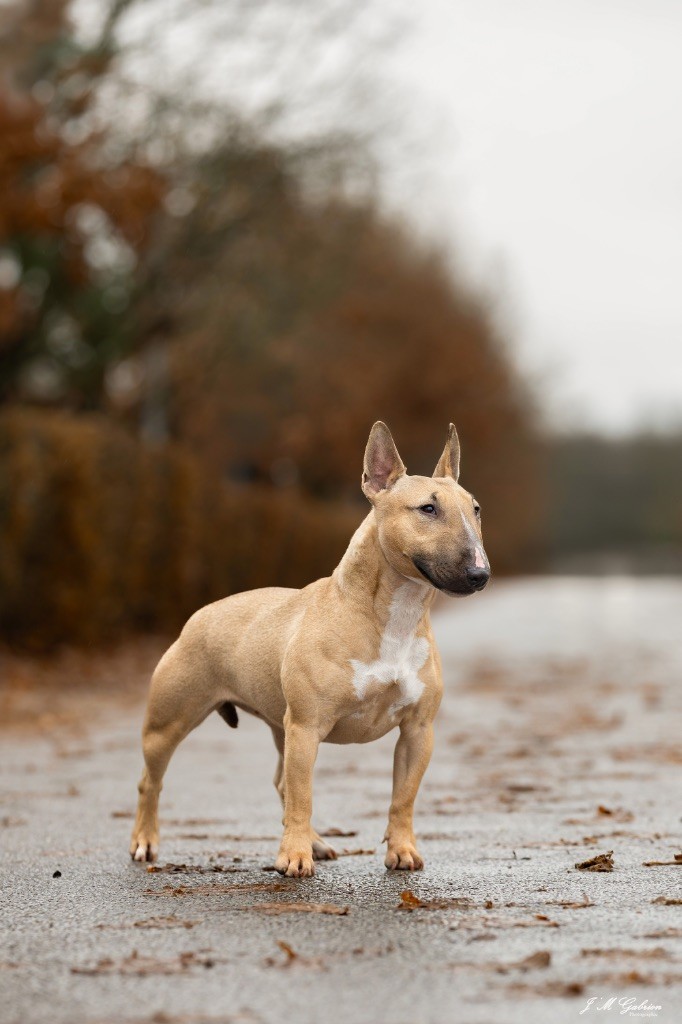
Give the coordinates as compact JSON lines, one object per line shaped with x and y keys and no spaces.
{"x":461,"y":589}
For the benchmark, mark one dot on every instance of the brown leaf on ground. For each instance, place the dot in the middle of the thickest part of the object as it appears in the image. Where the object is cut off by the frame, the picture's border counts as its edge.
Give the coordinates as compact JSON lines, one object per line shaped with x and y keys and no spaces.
{"x":618,"y":813}
{"x":165,"y":922}
{"x":146,"y":965}
{"x":150,"y":922}
{"x":526,"y":787}
{"x":542,"y":958}
{"x":408,"y":901}
{"x":122,"y":814}
{"x":602,"y":862}
{"x":207,"y":889}
{"x":536,"y":961}
{"x":188,"y":869}
{"x":556,"y":989}
{"x":299,"y":908}
{"x":677,"y":862}
{"x":617,"y":978}
{"x":571,"y":904}
{"x":615,"y":954}
{"x":292,"y":957}
{"x":668,"y":901}
{"x":664,"y":933}
{"x":339,"y":832}
{"x":355,"y":853}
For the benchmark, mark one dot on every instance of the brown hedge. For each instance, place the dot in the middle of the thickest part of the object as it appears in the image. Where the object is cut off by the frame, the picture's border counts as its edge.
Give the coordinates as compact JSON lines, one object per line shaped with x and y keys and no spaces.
{"x":100,"y":534}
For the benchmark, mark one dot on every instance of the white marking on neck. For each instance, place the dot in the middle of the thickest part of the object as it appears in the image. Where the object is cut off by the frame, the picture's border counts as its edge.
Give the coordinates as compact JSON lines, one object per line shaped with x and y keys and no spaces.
{"x":401,"y":652}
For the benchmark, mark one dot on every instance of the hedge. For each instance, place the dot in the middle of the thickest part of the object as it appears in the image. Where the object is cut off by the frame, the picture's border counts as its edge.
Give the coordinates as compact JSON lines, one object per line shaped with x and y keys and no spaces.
{"x":100,"y":533}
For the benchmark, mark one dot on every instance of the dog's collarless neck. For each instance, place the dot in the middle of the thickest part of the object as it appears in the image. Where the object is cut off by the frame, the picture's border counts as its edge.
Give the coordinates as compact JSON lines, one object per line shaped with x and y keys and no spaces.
{"x":364,"y":575}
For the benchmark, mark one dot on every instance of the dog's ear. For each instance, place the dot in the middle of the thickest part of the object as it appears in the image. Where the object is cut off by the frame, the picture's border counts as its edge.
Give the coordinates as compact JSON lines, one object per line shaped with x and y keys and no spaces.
{"x":383,"y":466}
{"x":448,"y":463}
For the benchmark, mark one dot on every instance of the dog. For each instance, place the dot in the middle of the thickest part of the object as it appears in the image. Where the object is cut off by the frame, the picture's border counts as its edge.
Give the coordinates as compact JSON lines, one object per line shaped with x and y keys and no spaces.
{"x":344,"y":660}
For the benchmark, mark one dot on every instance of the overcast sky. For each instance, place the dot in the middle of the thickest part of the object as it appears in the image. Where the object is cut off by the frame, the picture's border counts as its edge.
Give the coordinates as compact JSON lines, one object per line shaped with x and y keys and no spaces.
{"x":551,"y":157}
{"x":539,"y":140}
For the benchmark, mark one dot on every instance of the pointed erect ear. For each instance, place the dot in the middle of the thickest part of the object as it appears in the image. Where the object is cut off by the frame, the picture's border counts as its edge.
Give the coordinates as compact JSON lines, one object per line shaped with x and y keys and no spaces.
{"x":383,"y":466}
{"x":448,"y":464}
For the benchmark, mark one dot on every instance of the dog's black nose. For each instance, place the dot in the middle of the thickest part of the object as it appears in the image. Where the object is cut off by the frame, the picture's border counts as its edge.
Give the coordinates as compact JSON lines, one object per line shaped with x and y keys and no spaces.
{"x":478,"y":577}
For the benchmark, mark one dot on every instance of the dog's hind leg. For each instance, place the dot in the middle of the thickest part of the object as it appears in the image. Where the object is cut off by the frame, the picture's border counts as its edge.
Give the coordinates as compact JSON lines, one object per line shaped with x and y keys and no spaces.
{"x":321,"y":850}
{"x":175,"y":708}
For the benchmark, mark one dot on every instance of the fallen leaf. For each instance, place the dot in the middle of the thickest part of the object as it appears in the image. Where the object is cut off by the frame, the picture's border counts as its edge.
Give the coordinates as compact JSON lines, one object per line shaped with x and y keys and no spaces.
{"x":571,"y":904}
{"x":654,"y":954}
{"x":146,"y":965}
{"x":602,"y":862}
{"x":339,"y":832}
{"x":662,"y":863}
{"x":299,"y":908}
{"x":355,"y":853}
{"x":188,"y":869}
{"x":668,"y":901}
{"x":292,"y":957}
{"x":209,"y":889}
{"x":165,"y":922}
{"x":408,"y":901}
{"x":542,"y":958}
{"x":618,"y":813}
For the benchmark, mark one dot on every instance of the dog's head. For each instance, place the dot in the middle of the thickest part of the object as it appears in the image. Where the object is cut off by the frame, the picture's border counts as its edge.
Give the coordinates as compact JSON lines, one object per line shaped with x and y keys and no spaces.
{"x":429,"y":527}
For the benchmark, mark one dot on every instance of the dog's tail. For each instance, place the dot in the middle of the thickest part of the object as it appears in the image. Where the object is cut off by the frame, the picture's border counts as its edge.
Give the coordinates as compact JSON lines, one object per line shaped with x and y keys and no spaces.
{"x":229,"y":712}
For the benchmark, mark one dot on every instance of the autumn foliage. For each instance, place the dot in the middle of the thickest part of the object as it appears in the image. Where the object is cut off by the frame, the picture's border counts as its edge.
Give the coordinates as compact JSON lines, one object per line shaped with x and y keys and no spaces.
{"x":234,"y":303}
{"x":100,"y":534}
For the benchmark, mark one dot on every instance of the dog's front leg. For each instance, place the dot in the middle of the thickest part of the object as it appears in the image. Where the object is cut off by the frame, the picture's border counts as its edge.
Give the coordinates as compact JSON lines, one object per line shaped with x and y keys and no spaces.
{"x":411,"y":758}
{"x":300,"y":751}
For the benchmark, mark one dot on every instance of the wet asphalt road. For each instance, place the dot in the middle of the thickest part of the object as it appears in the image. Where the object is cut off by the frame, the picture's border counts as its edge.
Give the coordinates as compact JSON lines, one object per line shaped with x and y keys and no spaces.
{"x":559,"y":738}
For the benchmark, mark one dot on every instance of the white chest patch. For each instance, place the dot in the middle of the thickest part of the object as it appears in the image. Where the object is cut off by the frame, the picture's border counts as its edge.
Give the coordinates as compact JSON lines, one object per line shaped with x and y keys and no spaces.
{"x":401,"y":652}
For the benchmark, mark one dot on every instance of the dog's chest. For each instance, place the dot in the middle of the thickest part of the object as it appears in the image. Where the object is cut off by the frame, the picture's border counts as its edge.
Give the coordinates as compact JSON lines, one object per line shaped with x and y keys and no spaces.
{"x":391,"y":681}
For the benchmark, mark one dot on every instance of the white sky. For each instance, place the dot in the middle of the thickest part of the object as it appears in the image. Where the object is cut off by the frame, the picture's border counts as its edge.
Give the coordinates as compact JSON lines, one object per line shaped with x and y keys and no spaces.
{"x":539,"y":140}
{"x":551,"y":156}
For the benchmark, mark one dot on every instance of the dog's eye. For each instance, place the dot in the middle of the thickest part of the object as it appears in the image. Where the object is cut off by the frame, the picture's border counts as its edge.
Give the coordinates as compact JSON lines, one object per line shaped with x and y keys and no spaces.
{"x":429,"y":509}
{"x":477,"y":509}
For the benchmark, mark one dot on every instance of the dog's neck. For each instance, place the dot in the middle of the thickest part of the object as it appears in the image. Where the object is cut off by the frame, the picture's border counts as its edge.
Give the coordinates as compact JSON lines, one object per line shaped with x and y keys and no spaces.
{"x":365,"y":576}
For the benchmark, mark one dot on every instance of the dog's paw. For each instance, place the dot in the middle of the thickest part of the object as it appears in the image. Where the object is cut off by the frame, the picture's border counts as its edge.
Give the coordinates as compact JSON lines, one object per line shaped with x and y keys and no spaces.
{"x":403,"y":857}
{"x":322,"y":850}
{"x":295,"y":860}
{"x":143,"y":849}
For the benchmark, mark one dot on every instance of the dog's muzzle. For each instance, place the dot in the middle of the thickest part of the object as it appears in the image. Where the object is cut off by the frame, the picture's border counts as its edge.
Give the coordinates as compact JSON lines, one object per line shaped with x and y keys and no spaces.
{"x":467,"y":581}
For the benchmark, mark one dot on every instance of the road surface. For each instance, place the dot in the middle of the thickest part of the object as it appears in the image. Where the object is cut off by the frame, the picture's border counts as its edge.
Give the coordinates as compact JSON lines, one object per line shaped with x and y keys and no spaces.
{"x":558,"y":740}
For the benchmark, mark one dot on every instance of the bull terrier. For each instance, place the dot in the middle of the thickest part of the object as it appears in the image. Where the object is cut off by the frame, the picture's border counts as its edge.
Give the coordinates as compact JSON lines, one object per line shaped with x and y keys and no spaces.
{"x":344,"y":660}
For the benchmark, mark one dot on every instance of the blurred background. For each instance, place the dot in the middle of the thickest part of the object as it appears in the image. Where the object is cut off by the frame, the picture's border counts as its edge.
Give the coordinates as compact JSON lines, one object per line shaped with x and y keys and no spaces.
{"x":234,"y":234}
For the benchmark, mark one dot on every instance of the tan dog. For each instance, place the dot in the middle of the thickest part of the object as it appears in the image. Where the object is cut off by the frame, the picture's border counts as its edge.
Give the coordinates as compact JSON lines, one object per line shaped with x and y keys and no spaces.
{"x":344,"y":660}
